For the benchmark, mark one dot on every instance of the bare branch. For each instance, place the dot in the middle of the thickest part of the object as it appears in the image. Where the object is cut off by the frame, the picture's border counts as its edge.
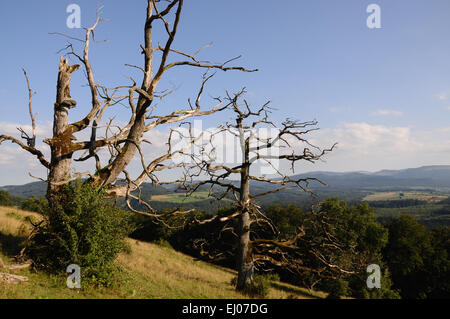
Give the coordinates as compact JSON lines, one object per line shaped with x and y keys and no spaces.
{"x":31,"y":141}
{"x":27,"y":148}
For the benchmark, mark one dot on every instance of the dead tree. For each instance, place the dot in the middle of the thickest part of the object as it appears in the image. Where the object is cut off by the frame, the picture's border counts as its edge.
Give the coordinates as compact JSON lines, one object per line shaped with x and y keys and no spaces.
{"x":125,"y":142}
{"x":207,"y":169}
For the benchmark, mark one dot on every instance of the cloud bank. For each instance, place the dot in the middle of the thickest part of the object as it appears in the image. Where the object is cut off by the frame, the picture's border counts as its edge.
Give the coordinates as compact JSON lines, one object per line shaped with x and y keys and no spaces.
{"x":361,"y":146}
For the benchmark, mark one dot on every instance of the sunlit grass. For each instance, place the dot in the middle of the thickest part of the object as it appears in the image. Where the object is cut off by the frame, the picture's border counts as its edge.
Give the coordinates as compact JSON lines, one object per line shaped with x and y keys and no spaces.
{"x":147,"y":271}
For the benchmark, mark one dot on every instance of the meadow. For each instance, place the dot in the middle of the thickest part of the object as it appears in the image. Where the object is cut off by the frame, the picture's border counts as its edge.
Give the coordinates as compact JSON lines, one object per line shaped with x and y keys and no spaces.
{"x":146,"y":271}
{"x":402,"y":195}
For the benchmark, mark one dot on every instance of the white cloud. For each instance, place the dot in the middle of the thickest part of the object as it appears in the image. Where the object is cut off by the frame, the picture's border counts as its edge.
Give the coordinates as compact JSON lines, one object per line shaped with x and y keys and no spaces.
{"x":43,"y":130}
{"x":442,"y":96}
{"x":361,"y":146}
{"x":6,"y":155}
{"x":386,"y":112}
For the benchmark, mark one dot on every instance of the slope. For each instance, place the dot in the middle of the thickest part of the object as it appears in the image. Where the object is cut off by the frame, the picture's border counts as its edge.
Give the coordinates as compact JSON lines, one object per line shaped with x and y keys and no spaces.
{"x":148,"y":271}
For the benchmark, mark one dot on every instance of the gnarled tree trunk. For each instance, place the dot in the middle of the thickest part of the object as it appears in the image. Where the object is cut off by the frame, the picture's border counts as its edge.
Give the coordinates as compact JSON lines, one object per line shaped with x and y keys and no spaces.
{"x":245,"y":258}
{"x":61,"y":143}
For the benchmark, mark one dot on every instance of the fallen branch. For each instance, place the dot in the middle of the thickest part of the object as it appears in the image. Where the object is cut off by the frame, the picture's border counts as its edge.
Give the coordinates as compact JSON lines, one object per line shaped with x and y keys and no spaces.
{"x":19,"y":266}
{"x":14,"y":267}
{"x":11,"y":279}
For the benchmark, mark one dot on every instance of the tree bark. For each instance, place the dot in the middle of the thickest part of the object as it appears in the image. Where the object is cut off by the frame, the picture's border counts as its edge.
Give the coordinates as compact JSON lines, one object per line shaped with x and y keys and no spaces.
{"x":246,"y":268}
{"x":61,"y":143}
{"x":127,"y":153}
{"x":245,"y":258}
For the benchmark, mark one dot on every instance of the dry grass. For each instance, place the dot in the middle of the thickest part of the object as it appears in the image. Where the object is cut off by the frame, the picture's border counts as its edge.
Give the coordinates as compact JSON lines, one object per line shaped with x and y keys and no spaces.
{"x":178,"y":275}
{"x":150,"y":271}
{"x":13,"y":221}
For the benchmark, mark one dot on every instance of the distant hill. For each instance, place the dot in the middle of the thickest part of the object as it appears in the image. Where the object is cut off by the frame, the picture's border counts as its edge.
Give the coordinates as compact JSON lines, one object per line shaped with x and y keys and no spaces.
{"x":36,"y":189}
{"x":354,"y":186}
{"x":39,"y":189}
{"x":345,"y":185}
{"x":426,"y":177}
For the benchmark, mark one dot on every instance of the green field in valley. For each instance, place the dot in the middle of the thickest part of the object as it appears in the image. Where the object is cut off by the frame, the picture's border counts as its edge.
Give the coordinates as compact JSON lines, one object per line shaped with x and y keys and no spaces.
{"x":401,"y":195}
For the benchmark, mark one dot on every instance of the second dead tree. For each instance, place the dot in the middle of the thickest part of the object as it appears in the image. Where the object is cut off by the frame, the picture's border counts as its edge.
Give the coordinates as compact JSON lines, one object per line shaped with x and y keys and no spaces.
{"x":254,"y":149}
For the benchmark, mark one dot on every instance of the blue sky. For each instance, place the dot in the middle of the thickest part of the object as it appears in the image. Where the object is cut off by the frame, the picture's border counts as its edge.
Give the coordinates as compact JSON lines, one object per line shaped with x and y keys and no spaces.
{"x":383,"y":94}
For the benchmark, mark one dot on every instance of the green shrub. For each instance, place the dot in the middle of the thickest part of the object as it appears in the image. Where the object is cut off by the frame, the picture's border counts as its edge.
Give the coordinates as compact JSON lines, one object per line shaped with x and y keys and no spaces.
{"x":81,"y":229}
{"x":361,"y":291}
{"x":33,"y":204}
{"x":163,"y":243}
{"x":337,"y":288}
{"x":5,"y":199}
{"x":273,"y":276}
{"x":260,"y":285}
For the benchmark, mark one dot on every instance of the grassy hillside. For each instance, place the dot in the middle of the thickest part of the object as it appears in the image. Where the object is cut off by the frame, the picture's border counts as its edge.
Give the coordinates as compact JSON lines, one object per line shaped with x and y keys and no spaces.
{"x":147,"y":271}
